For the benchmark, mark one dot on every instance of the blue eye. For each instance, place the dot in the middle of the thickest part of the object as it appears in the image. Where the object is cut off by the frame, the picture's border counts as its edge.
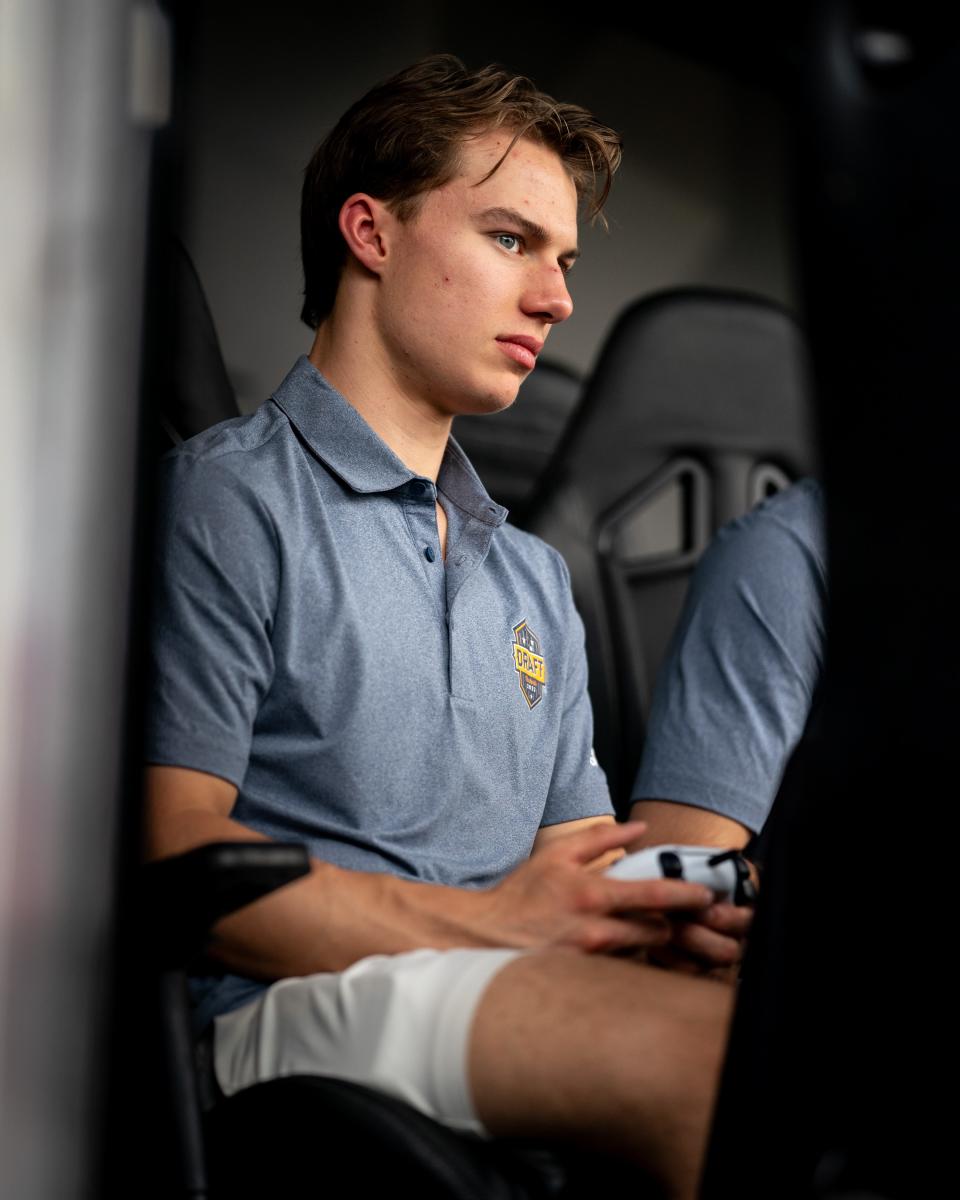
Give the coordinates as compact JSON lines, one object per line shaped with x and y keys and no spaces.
{"x":504,"y":238}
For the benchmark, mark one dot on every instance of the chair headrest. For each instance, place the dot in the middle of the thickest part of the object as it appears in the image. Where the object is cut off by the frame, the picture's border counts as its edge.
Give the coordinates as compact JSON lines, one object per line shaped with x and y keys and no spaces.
{"x":192,"y":387}
{"x":690,"y":371}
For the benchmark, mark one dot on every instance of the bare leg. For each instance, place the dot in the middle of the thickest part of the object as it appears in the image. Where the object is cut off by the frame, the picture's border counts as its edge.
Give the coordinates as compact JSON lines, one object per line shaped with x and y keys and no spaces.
{"x":615,"y":1055}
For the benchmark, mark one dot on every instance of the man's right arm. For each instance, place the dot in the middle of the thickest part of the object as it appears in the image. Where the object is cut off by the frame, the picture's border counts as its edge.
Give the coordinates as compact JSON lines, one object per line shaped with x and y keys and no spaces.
{"x":333,"y":917}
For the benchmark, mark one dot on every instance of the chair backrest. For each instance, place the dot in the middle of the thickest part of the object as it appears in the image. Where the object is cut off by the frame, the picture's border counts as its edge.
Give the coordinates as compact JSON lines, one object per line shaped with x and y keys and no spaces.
{"x":510,"y":450}
{"x":698,"y":408}
{"x":186,"y":381}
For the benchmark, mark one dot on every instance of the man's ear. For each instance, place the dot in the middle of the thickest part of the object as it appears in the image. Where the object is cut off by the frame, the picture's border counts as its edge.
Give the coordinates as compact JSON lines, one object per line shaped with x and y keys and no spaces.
{"x":365,"y":224}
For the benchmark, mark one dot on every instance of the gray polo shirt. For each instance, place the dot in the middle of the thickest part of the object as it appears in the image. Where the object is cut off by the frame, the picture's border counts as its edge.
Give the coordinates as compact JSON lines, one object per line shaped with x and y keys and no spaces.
{"x":734,"y":693}
{"x":394,"y":711}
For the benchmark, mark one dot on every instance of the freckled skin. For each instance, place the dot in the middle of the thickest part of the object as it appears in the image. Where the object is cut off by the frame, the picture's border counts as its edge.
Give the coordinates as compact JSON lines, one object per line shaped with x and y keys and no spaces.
{"x":447,"y":353}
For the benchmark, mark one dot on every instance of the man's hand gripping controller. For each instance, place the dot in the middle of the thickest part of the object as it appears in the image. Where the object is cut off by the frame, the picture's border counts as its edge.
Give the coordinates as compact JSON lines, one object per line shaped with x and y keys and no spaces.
{"x":726,"y":872}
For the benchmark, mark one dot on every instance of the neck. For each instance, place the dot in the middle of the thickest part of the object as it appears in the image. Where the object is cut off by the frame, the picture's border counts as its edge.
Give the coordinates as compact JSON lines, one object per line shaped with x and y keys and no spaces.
{"x":359,"y":367}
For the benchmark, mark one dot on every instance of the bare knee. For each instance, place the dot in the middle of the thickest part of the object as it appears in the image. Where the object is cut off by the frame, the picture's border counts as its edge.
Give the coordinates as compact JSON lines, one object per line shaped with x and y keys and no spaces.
{"x":618,"y":1056}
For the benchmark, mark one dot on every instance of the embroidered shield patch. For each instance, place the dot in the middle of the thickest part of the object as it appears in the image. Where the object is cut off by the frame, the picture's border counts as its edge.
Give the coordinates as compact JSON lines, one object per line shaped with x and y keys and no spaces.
{"x":530,"y":664}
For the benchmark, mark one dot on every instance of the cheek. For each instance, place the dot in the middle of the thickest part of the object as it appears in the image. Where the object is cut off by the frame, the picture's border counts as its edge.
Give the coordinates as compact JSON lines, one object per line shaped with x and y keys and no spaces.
{"x":467,"y":281}
{"x":443,"y":284}
{"x":456,"y":292}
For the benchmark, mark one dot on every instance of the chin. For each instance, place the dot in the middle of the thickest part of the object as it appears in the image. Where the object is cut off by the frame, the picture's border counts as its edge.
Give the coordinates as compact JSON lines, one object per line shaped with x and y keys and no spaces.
{"x":494,"y":405}
{"x":490,"y":401}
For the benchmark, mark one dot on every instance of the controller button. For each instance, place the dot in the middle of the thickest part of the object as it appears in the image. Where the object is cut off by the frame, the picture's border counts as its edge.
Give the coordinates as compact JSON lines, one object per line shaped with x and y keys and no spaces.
{"x":671,"y":865}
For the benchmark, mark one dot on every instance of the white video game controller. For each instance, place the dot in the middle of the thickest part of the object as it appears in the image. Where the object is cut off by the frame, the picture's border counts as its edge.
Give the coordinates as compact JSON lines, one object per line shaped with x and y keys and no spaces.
{"x":726,"y":872}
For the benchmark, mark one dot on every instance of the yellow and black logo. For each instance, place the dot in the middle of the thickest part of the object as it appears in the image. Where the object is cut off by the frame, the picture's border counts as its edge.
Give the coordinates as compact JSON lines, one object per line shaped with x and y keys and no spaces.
{"x":530,"y":664}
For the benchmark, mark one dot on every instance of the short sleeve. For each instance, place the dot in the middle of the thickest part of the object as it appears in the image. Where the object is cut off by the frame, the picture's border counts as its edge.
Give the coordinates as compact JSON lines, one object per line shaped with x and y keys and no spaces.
{"x":214,"y":597}
{"x":578,"y":785}
{"x":735,"y":691}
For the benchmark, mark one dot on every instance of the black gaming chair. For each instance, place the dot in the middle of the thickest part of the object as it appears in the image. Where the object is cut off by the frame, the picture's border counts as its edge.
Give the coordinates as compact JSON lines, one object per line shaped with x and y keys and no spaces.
{"x":699,"y":407}
{"x":187,"y":388}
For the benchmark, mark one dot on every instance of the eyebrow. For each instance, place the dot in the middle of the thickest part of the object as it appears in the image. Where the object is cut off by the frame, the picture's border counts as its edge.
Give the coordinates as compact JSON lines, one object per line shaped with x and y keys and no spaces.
{"x":530,"y":229}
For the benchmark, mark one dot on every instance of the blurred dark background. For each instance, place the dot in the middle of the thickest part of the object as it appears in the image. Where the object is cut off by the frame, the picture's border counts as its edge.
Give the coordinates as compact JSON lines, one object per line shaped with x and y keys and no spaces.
{"x":698,"y":97}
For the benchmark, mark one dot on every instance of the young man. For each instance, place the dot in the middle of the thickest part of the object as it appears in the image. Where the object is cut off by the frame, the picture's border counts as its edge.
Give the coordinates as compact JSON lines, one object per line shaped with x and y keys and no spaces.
{"x":354,"y":651}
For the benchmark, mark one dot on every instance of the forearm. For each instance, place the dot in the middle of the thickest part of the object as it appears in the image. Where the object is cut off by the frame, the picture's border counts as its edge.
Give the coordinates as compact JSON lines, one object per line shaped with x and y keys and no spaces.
{"x":332,"y":917}
{"x":671,"y":823}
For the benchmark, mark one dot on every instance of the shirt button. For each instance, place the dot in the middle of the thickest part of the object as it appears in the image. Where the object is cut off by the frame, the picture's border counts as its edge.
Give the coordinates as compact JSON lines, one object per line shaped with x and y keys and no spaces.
{"x":428,"y":553}
{"x":418,"y":487}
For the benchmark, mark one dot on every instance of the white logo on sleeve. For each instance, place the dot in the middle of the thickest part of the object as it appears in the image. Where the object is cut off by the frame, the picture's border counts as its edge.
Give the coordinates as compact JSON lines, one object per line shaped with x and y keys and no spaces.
{"x":593,"y":758}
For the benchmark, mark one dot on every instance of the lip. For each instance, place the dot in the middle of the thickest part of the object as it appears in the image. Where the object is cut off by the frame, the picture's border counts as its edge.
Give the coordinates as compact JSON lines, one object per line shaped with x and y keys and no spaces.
{"x":521,"y":348}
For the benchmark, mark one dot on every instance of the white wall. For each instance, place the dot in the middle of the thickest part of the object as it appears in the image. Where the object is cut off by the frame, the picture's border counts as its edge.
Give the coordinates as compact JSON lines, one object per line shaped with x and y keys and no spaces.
{"x":75,"y":120}
{"x":700,"y":197}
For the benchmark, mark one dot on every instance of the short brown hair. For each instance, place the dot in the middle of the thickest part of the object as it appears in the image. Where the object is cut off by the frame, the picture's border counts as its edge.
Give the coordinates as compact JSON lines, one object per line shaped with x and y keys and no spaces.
{"x":403,"y":138}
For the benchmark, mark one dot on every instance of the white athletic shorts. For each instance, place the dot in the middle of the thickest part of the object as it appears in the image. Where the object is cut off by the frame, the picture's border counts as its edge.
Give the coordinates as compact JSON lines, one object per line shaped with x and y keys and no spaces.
{"x":399,"y":1023}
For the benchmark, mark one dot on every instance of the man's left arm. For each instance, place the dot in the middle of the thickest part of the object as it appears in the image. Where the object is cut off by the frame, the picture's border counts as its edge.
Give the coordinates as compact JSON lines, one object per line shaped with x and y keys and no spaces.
{"x":711,"y":940}
{"x":714,"y":940}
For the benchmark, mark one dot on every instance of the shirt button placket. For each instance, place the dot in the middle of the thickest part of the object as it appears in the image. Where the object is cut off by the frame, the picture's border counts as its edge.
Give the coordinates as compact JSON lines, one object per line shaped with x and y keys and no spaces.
{"x":423,"y":524}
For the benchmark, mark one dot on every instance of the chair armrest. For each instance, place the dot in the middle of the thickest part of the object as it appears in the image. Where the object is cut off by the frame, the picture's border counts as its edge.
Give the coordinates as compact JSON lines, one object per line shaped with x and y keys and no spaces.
{"x":184,"y":896}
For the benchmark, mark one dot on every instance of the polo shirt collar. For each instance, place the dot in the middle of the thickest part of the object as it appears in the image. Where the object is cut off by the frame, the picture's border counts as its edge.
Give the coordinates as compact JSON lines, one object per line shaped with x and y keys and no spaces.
{"x":344,"y":442}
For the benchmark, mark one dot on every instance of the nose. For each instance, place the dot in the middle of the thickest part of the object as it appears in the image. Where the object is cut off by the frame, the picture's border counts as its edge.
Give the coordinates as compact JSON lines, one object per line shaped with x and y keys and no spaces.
{"x":547,"y":296}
